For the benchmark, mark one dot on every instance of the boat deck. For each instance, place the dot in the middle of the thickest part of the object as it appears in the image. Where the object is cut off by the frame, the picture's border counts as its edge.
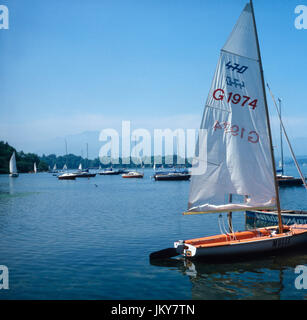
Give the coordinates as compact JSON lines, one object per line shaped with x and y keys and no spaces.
{"x":243,"y":236}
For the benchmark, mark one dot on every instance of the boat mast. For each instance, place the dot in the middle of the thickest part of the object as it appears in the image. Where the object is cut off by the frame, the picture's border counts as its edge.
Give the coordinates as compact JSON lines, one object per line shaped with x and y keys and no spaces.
{"x":86,"y":155}
{"x":66,"y":153}
{"x":288,"y":141}
{"x":281,"y":146}
{"x":268,"y":122}
{"x":230,"y":215}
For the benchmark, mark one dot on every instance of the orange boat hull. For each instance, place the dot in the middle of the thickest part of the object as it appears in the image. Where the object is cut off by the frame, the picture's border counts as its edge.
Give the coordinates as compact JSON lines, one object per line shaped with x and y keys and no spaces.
{"x":260,"y":240}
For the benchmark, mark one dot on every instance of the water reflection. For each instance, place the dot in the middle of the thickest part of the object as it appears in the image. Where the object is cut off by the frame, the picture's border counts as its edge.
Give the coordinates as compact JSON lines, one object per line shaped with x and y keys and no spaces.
{"x":259,"y":277}
{"x":268,"y":278}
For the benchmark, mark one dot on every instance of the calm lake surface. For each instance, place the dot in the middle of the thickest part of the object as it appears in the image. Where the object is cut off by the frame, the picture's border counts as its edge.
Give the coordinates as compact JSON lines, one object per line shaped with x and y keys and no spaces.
{"x":91,"y":238}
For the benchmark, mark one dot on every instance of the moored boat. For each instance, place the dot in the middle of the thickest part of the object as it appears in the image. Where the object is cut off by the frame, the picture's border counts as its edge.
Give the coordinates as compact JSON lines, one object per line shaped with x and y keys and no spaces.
{"x":84,"y":174}
{"x":261,"y":240}
{"x":67,"y":176}
{"x":109,"y":172}
{"x":133,"y":174}
{"x":171,"y":176}
{"x":284,"y":180}
{"x":289,"y":217}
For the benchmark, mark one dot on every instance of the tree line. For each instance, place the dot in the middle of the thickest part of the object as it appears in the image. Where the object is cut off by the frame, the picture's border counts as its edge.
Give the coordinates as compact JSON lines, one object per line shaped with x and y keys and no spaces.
{"x":25,"y":161}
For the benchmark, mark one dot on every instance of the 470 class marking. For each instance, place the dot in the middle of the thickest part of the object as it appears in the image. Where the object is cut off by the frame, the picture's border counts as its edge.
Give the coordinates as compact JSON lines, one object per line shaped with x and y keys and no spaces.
{"x":219,"y":94}
{"x":235,"y":130}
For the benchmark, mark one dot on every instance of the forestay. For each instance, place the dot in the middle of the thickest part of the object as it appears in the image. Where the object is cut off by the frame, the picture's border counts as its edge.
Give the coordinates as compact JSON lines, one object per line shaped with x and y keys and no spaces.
{"x":233,"y":155}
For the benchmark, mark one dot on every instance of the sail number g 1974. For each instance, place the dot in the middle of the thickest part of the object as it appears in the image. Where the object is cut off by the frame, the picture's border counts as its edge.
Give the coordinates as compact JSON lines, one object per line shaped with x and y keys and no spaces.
{"x":235,"y":130}
{"x":219,"y":94}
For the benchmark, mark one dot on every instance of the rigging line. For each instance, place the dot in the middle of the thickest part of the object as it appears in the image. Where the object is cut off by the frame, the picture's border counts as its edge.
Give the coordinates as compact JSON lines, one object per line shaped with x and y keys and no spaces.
{"x":224,"y":227}
{"x":286,"y":136}
{"x":220,"y":226}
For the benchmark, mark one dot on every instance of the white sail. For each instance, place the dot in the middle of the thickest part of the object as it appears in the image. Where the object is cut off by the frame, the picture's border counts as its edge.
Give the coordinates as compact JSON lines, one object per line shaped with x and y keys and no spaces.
{"x":233,"y":155}
{"x":54,"y":167}
{"x":35,"y":169}
{"x":13,"y":167}
{"x":80,"y":166}
{"x":65,"y":167}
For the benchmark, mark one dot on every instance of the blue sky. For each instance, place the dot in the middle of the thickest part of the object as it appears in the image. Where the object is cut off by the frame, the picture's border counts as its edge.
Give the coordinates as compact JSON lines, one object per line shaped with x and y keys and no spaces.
{"x":72,"y":66}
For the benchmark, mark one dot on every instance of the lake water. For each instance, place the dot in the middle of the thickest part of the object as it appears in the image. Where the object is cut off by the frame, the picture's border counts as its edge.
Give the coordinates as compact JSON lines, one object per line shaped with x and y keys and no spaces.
{"x":91,"y":238}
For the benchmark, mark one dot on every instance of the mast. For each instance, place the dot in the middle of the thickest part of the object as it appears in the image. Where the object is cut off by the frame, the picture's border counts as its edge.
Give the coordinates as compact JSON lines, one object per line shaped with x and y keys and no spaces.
{"x":86,"y":155}
{"x":281,"y":146}
{"x":288,"y":141}
{"x":280,"y":225}
{"x":66,"y":152}
{"x":230,"y":215}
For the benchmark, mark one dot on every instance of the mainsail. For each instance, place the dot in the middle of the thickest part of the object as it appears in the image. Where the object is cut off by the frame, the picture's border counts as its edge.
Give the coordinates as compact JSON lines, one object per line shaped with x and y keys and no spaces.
{"x":35,"y":168}
{"x":233,"y":154}
{"x":13,"y":168}
{"x":80,"y":166}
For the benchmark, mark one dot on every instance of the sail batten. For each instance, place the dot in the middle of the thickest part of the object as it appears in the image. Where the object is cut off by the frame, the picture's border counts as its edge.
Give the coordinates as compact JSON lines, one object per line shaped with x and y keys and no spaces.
{"x":234,"y":131}
{"x":238,"y":55}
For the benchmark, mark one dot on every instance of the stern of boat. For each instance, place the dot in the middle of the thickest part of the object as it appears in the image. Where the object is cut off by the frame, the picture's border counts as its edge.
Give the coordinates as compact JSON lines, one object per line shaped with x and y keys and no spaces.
{"x":185,"y":249}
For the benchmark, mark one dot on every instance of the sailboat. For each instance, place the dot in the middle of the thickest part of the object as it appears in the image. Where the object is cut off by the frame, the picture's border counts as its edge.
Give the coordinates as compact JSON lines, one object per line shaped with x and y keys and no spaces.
{"x":234,"y":167}
{"x":13,"y":167}
{"x":109,"y":172}
{"x":84,"y":173}
{"x":35,"y":168}
{"x":66,"y":175}
{"x":288,"y":216}
{"x":172,"y":174}
{"x":54,"y":170}
{"x":282,"y":179}
{"x":134,"y":174}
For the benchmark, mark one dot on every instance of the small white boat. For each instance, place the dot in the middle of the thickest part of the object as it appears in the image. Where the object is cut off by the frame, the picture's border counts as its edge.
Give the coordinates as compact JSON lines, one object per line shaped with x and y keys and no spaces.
{"x":13,"y":167}
{"x":67,"y":176}
{"x":133,"y":174}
